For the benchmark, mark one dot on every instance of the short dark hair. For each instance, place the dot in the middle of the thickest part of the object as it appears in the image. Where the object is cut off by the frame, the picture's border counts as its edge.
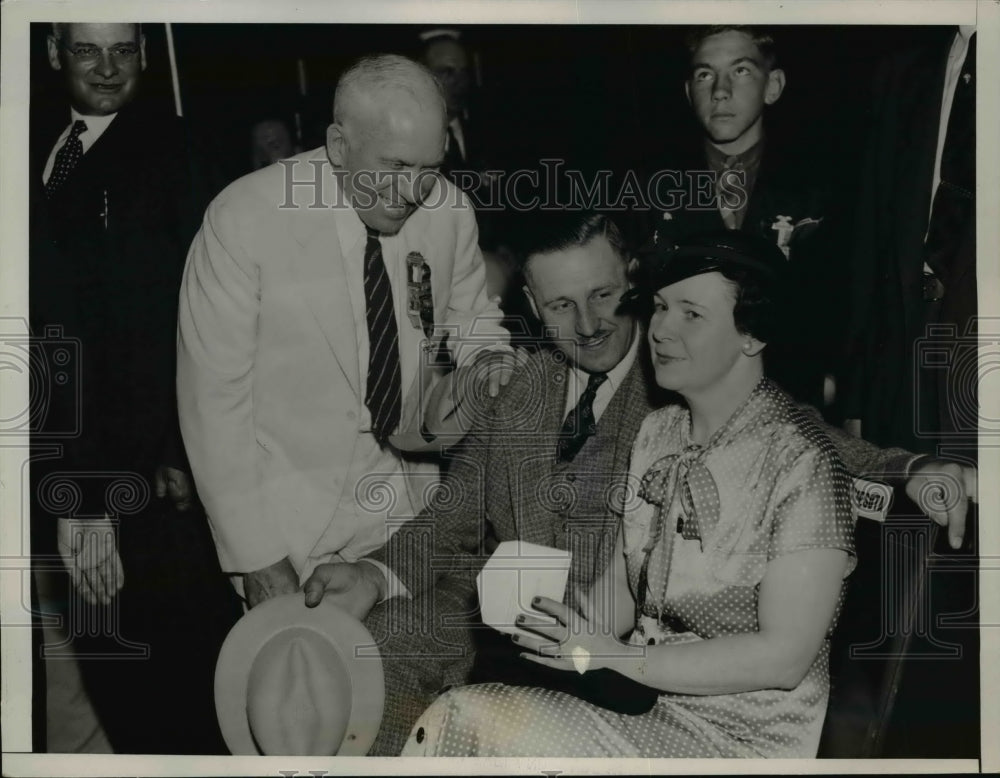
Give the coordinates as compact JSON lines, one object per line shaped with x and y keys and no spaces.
{"x":756,"y":309}
{"x":762,"y":38}
{"x":548,"y":231}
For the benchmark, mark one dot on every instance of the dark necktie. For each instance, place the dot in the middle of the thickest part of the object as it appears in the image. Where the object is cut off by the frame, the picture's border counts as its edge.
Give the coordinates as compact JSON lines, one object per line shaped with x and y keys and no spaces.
{"x":383,"y":396}
{"x":580,"y":424}
{"x":453,"y":157}
{"x":66,"y":158}
{"x":732,"y":192}
{"x":955,"y":198}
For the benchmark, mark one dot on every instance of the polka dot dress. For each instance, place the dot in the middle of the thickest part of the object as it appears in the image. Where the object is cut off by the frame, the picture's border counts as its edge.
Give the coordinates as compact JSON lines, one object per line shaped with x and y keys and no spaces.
{"x":698,"y":537}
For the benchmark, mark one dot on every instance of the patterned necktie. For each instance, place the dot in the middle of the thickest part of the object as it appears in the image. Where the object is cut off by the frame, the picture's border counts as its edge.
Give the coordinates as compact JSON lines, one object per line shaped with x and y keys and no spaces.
{"x":383,"y":396}
{"x":66,"y":158}
{"x":732,"y":192}
{"x":955,"y":198}
{"x":580,"y":424}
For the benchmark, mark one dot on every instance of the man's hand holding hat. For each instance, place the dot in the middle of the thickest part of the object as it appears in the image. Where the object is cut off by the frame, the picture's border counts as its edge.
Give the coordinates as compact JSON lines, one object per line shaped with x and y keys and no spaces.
{"x":299,"y":681}
{"x":355,"y":587}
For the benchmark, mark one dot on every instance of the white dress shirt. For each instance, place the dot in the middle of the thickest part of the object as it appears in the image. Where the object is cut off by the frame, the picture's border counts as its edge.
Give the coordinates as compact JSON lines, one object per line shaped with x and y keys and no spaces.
{"x":577,"y":380}
{"x":456,"y":129}
{"x":956,"y":59}
{"x":96,"y":125}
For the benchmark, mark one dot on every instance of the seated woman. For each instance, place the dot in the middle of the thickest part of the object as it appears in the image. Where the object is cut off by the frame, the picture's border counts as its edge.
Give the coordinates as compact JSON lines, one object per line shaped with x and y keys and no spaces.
{"x":731,"y":561}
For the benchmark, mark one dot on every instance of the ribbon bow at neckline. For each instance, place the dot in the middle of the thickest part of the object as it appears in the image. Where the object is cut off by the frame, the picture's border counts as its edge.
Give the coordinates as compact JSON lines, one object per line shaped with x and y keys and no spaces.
{"x":682,"y":477}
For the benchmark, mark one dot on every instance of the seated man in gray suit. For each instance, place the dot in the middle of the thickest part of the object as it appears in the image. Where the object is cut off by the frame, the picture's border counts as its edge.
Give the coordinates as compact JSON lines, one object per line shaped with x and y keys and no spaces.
{"x":546,"y":462}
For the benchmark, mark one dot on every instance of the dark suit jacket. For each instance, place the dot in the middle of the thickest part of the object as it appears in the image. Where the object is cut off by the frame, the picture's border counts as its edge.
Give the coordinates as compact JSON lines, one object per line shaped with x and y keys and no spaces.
{"x":893,"y":208}
{"x":106,"y":256}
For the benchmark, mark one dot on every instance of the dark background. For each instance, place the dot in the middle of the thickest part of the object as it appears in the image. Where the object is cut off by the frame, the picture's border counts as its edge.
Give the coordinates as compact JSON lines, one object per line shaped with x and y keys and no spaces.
{"x":595,"y":96}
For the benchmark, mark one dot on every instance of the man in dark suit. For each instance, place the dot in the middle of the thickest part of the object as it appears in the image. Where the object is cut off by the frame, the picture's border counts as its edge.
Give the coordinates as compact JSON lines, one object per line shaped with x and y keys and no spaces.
{"x":913,"y":375}
{"x":736,"y":180}
{"x":446,"y":57}
{"x":115,"y":197}
{"x":545,"y":463}
{"x":914,"y":254}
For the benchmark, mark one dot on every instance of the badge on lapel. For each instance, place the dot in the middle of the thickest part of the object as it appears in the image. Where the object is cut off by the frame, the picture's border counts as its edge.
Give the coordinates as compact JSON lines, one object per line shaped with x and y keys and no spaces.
{"x":786,"y":231}
{"x":419,"y":299}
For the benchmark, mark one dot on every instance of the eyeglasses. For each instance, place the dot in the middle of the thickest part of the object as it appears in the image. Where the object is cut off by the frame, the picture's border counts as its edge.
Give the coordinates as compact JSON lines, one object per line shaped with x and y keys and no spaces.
{"x":121,"y":54}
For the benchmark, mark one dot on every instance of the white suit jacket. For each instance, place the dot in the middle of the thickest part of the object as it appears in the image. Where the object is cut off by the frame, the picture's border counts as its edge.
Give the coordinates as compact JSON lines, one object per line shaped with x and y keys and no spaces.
{"x":268,"y":378}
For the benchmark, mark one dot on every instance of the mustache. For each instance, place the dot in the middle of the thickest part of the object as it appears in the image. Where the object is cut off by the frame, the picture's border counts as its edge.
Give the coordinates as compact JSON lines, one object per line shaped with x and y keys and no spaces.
{"x":596,"y":336}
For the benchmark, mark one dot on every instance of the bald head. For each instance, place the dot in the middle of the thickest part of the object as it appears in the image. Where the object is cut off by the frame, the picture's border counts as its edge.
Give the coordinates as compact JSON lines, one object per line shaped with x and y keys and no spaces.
{"x":388,"y":135}
{"x":386,"y":83}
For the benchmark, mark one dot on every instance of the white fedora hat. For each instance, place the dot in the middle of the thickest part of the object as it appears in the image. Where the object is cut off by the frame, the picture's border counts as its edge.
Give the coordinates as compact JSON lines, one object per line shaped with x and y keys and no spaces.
{"x":291,"y":680}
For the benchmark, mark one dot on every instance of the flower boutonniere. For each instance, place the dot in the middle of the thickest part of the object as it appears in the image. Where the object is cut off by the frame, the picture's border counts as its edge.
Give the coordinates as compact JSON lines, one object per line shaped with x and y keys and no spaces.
{"x":787,"y":231}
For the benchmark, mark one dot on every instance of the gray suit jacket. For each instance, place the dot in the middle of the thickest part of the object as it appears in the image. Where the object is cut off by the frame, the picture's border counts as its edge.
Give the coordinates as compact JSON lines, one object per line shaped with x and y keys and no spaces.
{"x":503,"y":483}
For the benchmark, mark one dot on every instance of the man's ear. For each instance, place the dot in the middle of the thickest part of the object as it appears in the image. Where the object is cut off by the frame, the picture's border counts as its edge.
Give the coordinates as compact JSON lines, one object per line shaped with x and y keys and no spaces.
{"x":53,"y":47}
{"x":335,"y":142}
{"x":687,"y":91}
{"x":775,"y":86}
{"x":142,"y":52}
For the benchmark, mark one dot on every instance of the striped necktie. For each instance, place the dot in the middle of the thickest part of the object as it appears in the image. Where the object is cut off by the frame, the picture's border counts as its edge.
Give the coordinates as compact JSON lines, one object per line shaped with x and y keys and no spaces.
{"x":383,"y":396}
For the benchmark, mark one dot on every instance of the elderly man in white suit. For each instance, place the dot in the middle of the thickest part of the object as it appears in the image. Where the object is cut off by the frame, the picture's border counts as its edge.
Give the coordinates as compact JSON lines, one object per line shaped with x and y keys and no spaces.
{"x":276,"y":336}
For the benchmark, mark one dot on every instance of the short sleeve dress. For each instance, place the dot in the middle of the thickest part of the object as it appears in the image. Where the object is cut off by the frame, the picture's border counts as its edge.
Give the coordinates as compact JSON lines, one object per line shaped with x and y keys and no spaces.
{"x":698,"y":536}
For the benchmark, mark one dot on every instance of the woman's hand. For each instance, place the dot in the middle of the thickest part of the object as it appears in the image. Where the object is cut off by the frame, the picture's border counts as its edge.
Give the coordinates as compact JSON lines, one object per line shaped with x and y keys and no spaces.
{"x":572,"y":643}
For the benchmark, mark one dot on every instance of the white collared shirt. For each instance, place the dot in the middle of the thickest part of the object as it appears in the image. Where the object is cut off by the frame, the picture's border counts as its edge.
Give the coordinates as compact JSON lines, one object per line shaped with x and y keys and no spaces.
{"x":96,"y":125}
{"x":956,"y":59}
{"x":577,"y":380}
{"x":456,"y":130}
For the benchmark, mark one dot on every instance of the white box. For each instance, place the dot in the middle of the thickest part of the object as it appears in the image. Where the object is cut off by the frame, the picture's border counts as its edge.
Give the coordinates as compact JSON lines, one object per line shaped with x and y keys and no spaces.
{"x":517,"y":572}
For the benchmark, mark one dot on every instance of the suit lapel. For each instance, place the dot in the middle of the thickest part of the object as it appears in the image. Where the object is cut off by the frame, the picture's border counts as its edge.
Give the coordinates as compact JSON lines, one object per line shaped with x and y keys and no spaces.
{"x":120,"y":135}
{"x":532,"y":458}
{"x":916,"y":172}
{"x":319,"y":272}
{"x":412,"y":237}
{"x":534,"y":474}
{"x":760,"y":198}
{"x":636,"y":405}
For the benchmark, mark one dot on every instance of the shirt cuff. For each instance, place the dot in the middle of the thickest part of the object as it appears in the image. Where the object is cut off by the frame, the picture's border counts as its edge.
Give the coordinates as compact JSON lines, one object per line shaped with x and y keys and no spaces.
{"x":393,"y":586}
{"x":908,"y":469}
